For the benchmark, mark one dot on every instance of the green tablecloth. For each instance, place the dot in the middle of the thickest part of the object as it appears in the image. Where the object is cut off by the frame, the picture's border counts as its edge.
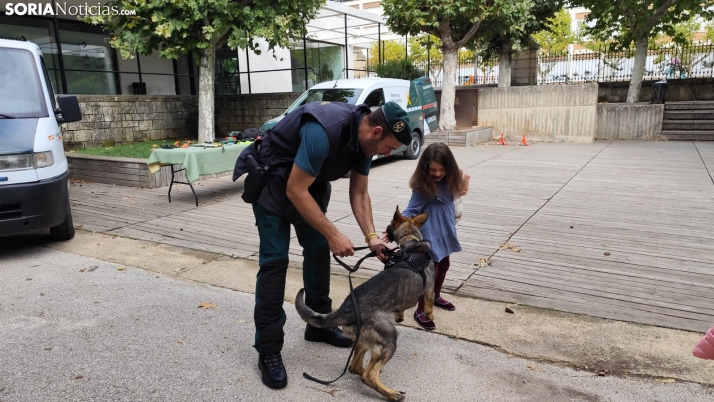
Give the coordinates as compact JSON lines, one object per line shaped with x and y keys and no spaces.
{"x":197,"y":160}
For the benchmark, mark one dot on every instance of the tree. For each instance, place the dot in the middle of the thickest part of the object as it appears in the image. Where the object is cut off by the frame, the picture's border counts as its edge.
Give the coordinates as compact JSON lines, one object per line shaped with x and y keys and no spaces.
{"x":506,"y":35}
{"x":199,"y":27}
{"x":392,"y":50}
{"x":454,"y":23}
{"x":636,"y":21}
{"x":395,"y":50}
{"x":557,"y":33}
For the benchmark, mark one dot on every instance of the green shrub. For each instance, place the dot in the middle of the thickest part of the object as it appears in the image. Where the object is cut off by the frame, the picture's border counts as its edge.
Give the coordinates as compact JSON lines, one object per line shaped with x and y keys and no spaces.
{"x":402,"y":69}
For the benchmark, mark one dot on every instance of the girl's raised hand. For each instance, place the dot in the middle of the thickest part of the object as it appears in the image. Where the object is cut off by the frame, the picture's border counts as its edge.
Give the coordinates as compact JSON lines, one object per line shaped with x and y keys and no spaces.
{"x":467,"y":178}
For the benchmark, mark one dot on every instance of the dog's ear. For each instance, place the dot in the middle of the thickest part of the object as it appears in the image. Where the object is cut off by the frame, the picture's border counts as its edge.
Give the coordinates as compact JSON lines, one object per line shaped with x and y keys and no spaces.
{"x":398,"y":218}
{"x":419,"y":220}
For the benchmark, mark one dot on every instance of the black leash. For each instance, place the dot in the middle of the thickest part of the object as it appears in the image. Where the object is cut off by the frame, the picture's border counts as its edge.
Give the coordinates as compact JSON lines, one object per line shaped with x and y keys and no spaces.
{"x":357,"y":314}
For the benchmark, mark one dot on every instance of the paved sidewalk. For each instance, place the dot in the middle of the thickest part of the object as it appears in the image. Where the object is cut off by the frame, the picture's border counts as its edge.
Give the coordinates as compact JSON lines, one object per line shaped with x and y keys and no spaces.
{"x":618,"y":230}
{"x":75,"y":328}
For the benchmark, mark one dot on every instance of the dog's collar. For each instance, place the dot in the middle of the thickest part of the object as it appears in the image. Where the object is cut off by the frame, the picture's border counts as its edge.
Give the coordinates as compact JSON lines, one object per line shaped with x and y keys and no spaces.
{"x":406,"y":246}
{"x":408,"y":239}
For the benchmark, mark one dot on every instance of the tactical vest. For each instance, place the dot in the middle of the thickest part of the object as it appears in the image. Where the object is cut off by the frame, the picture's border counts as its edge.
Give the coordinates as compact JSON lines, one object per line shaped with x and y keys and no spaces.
{"x":280,"y":145}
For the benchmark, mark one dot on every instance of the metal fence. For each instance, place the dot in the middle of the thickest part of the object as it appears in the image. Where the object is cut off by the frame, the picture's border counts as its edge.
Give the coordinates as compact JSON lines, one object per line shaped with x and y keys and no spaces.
{"x":603,"y":65}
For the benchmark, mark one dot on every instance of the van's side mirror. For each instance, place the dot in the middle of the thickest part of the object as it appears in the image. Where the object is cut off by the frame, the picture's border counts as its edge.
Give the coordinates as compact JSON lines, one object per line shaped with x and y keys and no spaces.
{"x":69,"y":108}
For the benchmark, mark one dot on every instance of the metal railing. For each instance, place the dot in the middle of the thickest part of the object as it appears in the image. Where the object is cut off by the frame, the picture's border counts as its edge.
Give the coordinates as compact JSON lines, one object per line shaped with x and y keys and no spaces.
{"x":602,"y":65}
{"x":605,"y":65}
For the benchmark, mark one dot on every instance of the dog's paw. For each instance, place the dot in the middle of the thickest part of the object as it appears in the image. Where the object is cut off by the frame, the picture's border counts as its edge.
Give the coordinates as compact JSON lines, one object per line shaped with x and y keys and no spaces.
{"x":398,"y":396}
{"x":430,"y":316}
{"x":399,"y":317}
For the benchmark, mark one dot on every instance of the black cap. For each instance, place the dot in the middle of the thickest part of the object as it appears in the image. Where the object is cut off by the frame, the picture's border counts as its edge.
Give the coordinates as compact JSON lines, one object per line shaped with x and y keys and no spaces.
{"x":397,"y":122}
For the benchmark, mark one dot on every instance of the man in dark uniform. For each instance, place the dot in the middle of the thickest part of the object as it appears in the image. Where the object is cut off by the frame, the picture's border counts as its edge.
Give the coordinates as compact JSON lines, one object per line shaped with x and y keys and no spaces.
{"x":314,"y":144}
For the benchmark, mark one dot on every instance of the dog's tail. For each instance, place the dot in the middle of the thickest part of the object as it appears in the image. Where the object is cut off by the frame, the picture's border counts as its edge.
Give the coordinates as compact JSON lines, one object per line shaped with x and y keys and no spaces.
{"x":318,"y":320}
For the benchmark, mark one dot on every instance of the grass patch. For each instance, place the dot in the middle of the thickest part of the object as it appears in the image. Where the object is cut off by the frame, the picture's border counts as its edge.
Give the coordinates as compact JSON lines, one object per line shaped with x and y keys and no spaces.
{"x":129,"y":150}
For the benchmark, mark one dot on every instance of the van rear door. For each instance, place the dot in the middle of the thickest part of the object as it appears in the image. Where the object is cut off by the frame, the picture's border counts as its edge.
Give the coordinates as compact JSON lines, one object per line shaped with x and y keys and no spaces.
{"x":429,"y":105}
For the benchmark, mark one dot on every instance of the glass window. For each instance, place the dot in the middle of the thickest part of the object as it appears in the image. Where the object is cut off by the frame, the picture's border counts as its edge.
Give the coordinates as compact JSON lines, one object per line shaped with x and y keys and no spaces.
{"x":375,"y":99}
{"x":21,"y":95}
{"x":343,"y":95}
{"x":184,"y":77}
{"x":38,"y":31}
{"x":50,"y":87}
{"x":324,"y":62}
{"x":227,"y":68}
{"x":88,"y":60}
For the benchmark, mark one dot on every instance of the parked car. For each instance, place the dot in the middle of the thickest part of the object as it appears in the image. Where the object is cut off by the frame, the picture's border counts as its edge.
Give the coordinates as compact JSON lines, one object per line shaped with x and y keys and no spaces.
{"x":33,"y":167}
{"x":416,"y":97}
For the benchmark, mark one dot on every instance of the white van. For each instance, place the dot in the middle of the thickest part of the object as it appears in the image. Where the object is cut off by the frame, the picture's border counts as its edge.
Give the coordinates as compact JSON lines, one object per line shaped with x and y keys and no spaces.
{"x":33,"y":168}
{"x":416,"y":97}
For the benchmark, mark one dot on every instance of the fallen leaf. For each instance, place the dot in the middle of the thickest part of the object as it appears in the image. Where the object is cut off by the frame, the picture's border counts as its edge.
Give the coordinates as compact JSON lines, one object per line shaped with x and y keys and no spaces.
{"x":508,"y":310}
{"x":483,"y":262}
{"x":240,"y":322}
{"x":532,"y":368}
{"x":121,"y":269}
{"x":207,"y":305}
{"x":665,"y":380}
{"x":606,"y":253}
{"x":83,"y":269}
{"x":510,"y":355}
{"x":79,"y":377}
{"x":415,"y":353}
{"x":180,"y":342}
{"x":505,"y":246}
{"x":28,"y":279}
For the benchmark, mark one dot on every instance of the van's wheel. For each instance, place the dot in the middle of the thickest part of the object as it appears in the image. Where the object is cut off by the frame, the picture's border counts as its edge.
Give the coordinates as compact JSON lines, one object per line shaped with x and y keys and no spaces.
{"x":414,"y":148}
{"x":65,"y":230}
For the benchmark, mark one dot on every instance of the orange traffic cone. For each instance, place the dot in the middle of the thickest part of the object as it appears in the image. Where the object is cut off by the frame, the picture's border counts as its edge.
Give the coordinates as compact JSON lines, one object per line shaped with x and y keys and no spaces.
{"x":523,"y":141}
{"x":501,"y":141}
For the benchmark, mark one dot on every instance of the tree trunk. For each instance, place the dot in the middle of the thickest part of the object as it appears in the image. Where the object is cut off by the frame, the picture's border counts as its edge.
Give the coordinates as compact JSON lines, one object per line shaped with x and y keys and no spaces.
{"x":206,"y":96}
{"x":504,"y":67}
{"x":638,"y":70}
{"x":447,"y":117}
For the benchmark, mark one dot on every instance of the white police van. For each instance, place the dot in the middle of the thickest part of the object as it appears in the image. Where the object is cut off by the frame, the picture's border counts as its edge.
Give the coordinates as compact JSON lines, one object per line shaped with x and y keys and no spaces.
{"x":33,"y":167}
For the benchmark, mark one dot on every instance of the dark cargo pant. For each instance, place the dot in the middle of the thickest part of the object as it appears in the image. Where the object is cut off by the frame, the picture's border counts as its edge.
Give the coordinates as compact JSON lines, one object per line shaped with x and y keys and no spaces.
{"x":269,"y":315}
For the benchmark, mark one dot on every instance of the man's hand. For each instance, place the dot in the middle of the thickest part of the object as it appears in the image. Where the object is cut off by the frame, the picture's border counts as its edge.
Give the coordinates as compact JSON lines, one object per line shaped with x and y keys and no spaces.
{"x":377,"y":245}
{"x":340,"y":245}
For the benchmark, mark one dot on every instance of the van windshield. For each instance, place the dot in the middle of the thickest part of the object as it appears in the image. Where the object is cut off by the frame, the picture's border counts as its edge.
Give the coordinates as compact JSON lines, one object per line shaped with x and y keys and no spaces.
{"x":21,"y":94}
{"x":344,"y":95}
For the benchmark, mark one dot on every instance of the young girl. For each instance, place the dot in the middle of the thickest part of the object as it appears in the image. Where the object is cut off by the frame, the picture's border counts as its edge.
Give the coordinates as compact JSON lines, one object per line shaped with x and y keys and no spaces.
{"x":436,"y":182}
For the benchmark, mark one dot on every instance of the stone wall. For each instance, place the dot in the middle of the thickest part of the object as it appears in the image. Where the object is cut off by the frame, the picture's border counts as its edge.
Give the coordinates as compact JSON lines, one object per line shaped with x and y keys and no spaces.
{"x":627,"y":121}
{"x":238,"y":112}
{"x":543,"y":112}
{"x":130,"y":118}
{"x":690,"y":89}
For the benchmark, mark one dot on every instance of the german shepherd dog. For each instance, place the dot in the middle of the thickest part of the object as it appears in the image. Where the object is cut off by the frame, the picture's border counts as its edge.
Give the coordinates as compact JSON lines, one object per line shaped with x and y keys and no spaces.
{"x":381,"y":300}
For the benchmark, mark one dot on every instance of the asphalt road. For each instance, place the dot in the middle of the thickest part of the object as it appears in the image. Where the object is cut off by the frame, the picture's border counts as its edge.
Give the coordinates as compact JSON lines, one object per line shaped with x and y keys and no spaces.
{"x":74,"y":328}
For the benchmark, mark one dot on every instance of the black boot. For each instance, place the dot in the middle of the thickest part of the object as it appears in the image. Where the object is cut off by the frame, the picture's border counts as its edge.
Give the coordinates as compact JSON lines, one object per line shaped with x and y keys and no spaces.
{"x":332,"y":336}
{"x":273,"y":371}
